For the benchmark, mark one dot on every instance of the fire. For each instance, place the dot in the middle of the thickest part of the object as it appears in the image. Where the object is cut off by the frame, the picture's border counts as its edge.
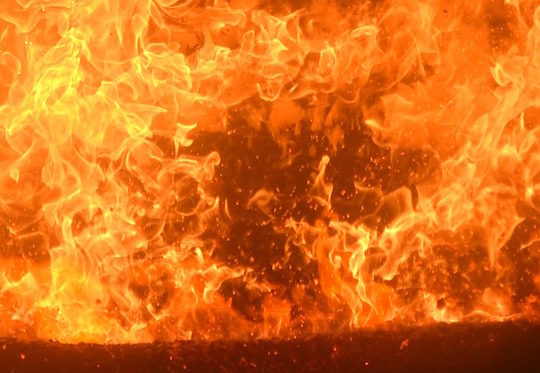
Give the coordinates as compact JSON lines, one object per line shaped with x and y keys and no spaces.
{"x":254,"y":169}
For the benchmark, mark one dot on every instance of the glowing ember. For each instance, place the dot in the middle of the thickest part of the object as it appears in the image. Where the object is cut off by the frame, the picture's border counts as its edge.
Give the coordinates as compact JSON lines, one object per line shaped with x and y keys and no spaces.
{"x":242,"y":169}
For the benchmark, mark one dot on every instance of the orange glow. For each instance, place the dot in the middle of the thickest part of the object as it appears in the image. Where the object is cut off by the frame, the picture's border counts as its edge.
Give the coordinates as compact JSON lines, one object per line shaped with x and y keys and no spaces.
{"x":250,"y":169}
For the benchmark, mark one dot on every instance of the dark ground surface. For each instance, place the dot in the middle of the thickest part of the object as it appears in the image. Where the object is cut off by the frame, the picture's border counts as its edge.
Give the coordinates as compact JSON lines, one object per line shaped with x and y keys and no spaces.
{"x":502,"y":347}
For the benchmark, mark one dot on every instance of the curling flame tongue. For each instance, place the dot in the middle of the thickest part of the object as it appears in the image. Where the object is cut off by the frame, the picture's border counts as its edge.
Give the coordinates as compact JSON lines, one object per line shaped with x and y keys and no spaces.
{"x":247,"y":169}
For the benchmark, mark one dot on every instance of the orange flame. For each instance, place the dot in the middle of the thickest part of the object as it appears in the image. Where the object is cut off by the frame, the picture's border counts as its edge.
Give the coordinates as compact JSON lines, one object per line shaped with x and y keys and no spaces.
{"x":241,"y":169}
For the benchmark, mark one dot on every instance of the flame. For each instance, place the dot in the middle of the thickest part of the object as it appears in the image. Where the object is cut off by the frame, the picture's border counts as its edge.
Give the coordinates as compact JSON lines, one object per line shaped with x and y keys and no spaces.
{"x":245,"y":169}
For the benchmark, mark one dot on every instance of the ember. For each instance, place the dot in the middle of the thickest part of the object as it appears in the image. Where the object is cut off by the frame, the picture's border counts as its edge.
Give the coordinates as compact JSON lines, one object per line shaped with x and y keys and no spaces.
{"x":501,"y":347}
{"x":249,"y":169}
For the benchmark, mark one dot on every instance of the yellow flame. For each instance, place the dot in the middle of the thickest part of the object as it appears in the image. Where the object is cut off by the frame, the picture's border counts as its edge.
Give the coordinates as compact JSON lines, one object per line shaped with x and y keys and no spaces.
{"x":248,"y":169}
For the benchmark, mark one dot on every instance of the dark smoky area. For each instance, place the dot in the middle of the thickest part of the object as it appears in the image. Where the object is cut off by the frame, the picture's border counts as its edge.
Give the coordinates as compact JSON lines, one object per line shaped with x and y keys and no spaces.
{"x":266,"y":179}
